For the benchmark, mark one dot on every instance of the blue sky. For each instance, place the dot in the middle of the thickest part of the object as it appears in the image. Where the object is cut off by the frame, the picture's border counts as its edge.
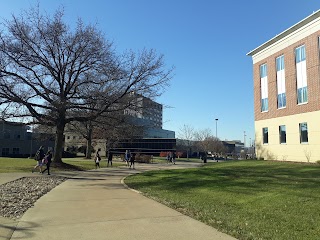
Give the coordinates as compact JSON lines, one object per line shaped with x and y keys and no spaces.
{"x":207,"y":42}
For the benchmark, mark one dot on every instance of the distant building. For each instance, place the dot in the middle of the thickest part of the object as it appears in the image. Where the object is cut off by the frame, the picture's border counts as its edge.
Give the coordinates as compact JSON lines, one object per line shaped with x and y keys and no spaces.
{"x":146,"y":145}
{"x":16,"y":140}
{"x":233,"y":147}
{"x":147,"y":114}
{"x":144,"y":114}
{"x":286,"y":73}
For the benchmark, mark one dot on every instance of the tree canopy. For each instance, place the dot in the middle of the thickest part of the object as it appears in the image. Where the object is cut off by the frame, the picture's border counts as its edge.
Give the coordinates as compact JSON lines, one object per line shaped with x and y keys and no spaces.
{"x":51,"y":74}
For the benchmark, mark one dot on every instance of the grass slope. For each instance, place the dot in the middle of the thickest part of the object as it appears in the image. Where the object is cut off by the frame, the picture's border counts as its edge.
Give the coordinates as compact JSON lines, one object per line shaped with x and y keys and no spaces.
{"x":246,"y":199}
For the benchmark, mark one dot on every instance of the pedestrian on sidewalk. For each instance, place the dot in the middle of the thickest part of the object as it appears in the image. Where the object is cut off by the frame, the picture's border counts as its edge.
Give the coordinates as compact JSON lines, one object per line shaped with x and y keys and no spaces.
{"x":47,"y":161}
{"x":39,"y":157}
{"x":132,"y":158}
{"x":127,"y":157}
{"x":173,"y":157}
{"x":110,"y":155}
{"x":97,"y":158}
{"x":168,"y":157}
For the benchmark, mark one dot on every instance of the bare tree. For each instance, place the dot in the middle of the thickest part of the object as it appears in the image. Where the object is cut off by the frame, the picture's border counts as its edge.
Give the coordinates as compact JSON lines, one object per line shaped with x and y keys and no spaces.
{"x":56,"y":75}
{"x":308,"y":154}
{"x":205,"y":140}
{"x":208,"y":143}
{"x":187,"y":133}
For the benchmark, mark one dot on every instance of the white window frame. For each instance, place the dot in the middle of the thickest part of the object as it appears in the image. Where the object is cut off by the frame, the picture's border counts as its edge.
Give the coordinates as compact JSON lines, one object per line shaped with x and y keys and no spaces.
{"x":302,"y":141}
{"x":301,"y":73}
{"x":264,"y":87}
{"x":281,"y":83}
{"x":263,"y":136}
{"x":280,"y":135}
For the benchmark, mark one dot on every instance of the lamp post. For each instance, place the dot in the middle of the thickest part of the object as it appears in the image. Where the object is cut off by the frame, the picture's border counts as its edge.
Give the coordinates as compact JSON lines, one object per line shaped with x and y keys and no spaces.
{"x":250,"y":148}
{"x":29,"y":130}
{"x":216,"y":127}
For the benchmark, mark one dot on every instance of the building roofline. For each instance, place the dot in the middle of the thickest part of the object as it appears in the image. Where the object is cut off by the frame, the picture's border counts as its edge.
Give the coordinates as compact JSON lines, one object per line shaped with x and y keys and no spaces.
{"x":285,"y":33}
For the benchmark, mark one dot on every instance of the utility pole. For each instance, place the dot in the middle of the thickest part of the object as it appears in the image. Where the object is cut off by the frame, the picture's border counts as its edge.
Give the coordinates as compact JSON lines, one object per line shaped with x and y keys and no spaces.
{"x":216,"y":127}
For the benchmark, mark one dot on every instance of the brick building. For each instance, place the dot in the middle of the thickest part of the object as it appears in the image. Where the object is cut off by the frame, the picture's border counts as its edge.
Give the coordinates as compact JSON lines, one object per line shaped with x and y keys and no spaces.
{"x":286,"y":77}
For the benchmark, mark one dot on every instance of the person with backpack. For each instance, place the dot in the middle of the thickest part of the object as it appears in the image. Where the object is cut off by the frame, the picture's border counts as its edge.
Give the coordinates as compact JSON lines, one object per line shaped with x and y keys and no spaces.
{"x":38,"y":157}
{"x":174,"y":157}
{"x":132,"y":158}
{"x":47,"y":160}
{"x":97,"y":158}
{"x":127,"y":157}
{"x":110,"y":155}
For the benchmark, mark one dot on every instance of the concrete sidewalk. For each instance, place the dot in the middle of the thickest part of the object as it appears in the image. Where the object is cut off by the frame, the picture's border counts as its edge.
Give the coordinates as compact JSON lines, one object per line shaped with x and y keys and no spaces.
{"x":96,"y":205}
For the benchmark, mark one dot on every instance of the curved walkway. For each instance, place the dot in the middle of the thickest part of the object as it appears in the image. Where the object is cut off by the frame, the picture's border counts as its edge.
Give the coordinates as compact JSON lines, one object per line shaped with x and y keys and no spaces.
{"x":96,"y":205}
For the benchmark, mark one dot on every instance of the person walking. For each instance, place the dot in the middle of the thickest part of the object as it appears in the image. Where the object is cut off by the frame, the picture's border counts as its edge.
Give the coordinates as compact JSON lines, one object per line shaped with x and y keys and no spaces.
{"x":132,"y":158}
{"x":127,"y":157}
{"x":110,"y":155}
{"x":97,"y":158}
{"x":168,"y":157}
{"x":173,"y":157}
{"x":47,"y":160}
{"x":39,"y":157}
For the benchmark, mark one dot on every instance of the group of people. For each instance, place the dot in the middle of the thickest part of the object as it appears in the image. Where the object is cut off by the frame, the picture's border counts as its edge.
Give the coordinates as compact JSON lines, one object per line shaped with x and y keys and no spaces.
{"x":171,"y":157}
{"x":43,"y":160}
{"x":129,"y":158}
{"x":97,"y":158}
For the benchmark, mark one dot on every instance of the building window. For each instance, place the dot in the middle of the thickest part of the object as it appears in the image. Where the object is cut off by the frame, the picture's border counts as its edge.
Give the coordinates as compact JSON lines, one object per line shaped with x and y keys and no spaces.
{"x":265,"y":135}
{"x":264,"y":88}
{"x":68,"y":137}
{"x":6,"y":134}
{"x":301,"y":71}
{"x":29,"y":135}
{"x":17,"y":135}
{"x":5,"y":152}
{"x":283,"y":134}
{"x":303,"y":127}
{"x":15,"y":151}
{"x":281,"y":83}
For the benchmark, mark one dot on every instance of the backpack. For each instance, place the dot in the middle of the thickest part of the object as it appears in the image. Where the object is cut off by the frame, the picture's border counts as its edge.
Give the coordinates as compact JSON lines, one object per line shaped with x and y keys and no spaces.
{"x":45,"y":160}
{"x":37,"y":156}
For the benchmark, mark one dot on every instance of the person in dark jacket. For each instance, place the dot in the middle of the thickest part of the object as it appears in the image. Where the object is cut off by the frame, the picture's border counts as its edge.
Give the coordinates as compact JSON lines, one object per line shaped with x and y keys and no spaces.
{"x":39,"y":157}
{"x":97,"y":159}
{"x":47,"y":160}
{"x":132,"y":158}
{"x":110,"y":155}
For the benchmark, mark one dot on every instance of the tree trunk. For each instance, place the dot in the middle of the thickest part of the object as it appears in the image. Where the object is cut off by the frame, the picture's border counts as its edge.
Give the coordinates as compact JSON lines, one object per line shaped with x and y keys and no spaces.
{"x":58,"y":146}
{"x":89,"y":143}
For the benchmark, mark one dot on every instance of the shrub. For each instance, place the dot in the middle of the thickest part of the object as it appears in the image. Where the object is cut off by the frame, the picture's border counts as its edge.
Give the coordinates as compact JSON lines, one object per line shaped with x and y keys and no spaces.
{"x":163,"y":154}
{"x":180,"y":154}
{"x":143,"y":158}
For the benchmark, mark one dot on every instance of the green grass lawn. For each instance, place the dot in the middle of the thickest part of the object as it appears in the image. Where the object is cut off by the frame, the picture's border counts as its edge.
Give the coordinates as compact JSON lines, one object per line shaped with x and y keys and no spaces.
{"x":164,"y":160}
{"x":8,"y":165}
{"x":246,"y":199}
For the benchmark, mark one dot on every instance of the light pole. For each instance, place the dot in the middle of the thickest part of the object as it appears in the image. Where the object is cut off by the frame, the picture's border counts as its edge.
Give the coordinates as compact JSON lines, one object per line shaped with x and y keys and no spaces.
{"x":29,"y":130}
{"x":250,"y":148}
{"x":216,"y":127}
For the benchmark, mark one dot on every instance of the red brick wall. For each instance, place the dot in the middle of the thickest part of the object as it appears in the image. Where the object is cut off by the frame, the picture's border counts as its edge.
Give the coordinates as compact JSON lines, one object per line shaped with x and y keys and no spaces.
{"x":313,"y":80}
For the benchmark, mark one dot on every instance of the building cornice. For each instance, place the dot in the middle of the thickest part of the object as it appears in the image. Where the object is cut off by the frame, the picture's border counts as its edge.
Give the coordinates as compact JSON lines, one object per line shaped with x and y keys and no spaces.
{"x":285,"y":33}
